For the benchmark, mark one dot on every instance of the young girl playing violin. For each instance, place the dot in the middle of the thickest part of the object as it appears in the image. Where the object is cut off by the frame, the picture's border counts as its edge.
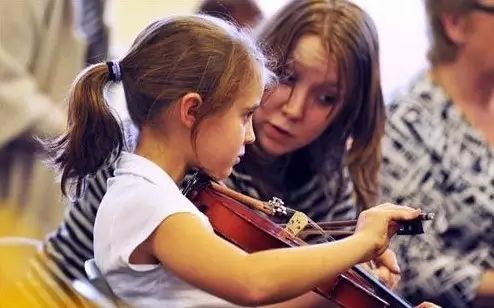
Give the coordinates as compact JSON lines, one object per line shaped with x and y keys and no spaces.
{"x":191,"y":85}
{"x":303,"y":160}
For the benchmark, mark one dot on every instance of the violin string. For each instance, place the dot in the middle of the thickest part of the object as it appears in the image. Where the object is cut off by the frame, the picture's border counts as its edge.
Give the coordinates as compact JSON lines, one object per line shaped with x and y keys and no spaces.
{"x":327,"y":237}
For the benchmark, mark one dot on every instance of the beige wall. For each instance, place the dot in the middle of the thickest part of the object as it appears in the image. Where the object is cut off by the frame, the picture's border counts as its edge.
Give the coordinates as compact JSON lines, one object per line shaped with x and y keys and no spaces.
{"x":402,"y":36}
{"x":128,"y":17}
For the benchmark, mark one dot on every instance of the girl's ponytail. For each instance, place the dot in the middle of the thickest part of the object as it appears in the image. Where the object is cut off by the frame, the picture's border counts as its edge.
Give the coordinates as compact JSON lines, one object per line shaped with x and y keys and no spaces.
{"x":93,"y":133}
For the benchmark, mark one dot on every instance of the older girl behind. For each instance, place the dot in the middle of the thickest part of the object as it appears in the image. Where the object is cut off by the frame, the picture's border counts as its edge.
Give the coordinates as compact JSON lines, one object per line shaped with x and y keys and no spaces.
{"x":328,"y":109}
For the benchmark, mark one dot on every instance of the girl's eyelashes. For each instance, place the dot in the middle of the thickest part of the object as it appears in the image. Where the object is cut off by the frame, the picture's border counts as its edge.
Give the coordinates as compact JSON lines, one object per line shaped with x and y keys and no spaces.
{"x":248,"y":115}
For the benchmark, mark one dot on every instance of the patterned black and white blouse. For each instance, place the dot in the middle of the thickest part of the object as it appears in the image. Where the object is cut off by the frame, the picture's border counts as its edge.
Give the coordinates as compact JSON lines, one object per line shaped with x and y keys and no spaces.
{"x":434,"y":159}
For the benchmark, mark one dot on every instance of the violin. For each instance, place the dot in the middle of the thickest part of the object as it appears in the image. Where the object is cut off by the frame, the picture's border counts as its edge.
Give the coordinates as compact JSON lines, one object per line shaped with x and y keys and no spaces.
{"x":233,"y":218}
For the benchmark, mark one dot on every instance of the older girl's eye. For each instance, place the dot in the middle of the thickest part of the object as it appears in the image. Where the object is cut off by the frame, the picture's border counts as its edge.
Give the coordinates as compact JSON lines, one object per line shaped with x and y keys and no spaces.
{"x":328,"y":100}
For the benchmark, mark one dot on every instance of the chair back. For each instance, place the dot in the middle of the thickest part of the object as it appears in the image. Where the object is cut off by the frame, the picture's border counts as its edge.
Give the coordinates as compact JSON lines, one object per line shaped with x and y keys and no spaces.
{"x":97,"y":279}
{"x":29,"y":278}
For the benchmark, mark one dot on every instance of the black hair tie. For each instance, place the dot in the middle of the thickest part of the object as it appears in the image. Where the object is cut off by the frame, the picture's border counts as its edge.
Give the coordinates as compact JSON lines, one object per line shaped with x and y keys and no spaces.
{"x":114,"y":72}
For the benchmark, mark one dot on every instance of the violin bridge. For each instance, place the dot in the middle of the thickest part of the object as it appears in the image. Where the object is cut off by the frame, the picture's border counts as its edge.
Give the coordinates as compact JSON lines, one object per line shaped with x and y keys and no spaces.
{"x":297,"y":223}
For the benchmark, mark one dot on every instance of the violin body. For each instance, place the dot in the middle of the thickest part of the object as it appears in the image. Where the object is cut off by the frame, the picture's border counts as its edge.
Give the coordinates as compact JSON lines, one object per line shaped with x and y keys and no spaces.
{"x":253,"y":232}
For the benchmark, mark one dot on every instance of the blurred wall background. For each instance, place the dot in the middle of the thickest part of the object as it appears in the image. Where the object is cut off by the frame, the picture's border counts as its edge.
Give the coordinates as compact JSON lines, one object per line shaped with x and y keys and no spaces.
{"x":400,"y":24}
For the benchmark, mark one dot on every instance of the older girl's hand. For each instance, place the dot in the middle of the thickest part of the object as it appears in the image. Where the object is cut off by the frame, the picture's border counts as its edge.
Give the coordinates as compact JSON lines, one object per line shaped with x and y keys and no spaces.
{"x":386,"y":269}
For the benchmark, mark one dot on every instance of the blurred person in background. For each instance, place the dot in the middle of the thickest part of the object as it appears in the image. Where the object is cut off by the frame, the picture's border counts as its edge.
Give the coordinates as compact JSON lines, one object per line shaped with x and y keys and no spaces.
{"x":43,"y":45}
{"x":244,"y":13}
{"x":438,"y":154}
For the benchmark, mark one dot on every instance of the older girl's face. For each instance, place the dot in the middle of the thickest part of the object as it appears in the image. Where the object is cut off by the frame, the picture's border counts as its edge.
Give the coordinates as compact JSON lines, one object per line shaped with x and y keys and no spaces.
{"x":305,"y":102}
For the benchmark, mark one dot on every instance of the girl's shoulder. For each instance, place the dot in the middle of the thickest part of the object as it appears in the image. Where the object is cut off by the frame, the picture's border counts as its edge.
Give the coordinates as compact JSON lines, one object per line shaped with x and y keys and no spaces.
{"x":141,"y":185}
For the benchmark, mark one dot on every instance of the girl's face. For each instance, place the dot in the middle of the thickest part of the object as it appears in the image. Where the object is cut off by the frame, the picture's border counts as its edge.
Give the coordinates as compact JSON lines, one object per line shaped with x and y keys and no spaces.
{"x":221,"y":138}
{"x":305,"y":102}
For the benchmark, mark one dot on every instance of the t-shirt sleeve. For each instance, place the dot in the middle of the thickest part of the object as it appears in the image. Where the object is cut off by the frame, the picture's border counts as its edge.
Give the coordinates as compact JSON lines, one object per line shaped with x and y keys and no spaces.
{"x":139,"y":213}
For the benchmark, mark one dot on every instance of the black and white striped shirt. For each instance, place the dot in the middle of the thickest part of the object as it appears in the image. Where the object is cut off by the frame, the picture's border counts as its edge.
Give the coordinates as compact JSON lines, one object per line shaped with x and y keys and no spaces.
{"x":311,"y":197}
{"x":72,"y":243}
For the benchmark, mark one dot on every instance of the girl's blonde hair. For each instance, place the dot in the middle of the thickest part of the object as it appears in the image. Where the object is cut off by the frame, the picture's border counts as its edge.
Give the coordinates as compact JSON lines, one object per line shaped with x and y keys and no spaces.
{"x":171,"y":57}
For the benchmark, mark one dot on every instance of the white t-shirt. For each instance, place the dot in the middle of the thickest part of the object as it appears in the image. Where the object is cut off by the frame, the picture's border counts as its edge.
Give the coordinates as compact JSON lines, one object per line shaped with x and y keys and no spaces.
{"x":138,"y":199}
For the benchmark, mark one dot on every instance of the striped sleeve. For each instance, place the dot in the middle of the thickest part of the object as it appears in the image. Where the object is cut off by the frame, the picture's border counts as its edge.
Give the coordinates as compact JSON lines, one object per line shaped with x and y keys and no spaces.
{"x":72,"y":243}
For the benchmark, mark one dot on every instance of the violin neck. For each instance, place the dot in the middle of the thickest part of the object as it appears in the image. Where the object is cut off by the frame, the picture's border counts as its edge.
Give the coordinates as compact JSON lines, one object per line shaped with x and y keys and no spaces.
{"x":394,"y":299}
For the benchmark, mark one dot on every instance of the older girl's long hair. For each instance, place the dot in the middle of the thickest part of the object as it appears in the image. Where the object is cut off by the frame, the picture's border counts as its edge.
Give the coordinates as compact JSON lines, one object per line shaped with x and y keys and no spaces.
{"x":351,"y":38}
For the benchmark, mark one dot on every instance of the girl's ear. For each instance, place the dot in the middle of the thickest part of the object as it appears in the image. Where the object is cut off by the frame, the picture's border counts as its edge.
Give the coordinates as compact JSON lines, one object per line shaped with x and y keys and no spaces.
{"x":455,"y":27}
{"x":188,"y":107}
